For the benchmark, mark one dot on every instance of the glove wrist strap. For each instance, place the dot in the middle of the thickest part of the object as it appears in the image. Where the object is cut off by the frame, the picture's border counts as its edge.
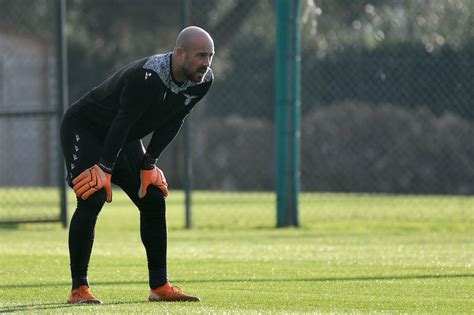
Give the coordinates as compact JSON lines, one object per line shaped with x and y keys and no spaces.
{"x":148,"y":162}
{"x":104,"y":167}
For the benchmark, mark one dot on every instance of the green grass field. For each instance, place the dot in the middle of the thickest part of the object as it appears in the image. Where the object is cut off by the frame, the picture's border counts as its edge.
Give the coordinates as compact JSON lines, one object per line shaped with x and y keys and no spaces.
{"x":352,"y":254}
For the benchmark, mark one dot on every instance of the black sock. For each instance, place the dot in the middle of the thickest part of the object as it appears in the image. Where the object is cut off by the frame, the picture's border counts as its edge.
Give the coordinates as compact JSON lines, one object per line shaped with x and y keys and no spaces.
{"x":158,"y":278}
{"x":79,"y":281}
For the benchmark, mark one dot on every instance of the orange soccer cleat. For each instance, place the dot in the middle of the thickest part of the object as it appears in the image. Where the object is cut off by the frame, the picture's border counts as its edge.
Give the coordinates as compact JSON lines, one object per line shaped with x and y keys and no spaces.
{"x":170,"y":293}
{"x":82,"y":295}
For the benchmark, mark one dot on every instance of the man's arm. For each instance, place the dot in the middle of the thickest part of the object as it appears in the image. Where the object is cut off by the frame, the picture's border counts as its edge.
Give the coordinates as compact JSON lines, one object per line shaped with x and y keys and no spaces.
{"x":115,"y":139}
{"x":162,"y":137}
{"x":139,"y":91}
{"x":160,"y":140}
{"x":150,"y":174}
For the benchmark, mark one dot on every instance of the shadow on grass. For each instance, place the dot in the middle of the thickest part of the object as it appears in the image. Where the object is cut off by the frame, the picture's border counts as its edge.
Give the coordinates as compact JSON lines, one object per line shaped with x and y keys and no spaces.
{"x":9,"y":226}
{"x":50,"y":306}
{"x":67,"y":307}
{"x":322,"y":279}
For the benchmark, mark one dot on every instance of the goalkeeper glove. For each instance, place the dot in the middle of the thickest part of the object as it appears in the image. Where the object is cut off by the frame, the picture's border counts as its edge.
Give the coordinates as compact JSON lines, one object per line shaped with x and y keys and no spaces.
{"x":153,"y":177}
{"x":92,"y":180}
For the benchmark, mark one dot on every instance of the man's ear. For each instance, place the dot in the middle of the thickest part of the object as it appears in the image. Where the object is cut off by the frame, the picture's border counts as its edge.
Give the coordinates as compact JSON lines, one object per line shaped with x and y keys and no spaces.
{"x":179,"y":52}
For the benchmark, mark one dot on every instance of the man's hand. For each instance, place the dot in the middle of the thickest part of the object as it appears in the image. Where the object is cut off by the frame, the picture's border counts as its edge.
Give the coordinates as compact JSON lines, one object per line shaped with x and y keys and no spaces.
{"x":153,"y":177}
{"x":92,"y":180}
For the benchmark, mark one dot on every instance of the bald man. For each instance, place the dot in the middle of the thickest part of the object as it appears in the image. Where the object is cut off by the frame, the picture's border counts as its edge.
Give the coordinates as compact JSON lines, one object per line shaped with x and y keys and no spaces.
{"x":101,"y":140}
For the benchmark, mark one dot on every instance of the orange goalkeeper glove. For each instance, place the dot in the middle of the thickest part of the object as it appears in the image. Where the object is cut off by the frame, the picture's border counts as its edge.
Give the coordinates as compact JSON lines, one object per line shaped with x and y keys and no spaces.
{"x":153,"y":177}
{"x":92,"y":180}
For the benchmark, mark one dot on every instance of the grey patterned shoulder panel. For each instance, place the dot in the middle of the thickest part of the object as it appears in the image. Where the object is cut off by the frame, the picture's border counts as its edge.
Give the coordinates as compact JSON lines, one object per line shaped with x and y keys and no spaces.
{"x":162,"y":66}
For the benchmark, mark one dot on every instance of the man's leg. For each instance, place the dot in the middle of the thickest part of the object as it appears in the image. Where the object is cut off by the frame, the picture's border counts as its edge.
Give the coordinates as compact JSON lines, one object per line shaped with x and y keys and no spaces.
{"x":80,"y":151}
{"x":81,"y":236}
{"x":153,"y":229}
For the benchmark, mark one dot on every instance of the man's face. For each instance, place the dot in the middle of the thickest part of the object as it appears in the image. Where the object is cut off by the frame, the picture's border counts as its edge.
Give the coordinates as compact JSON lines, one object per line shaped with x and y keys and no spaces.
{"x":196,"y":62}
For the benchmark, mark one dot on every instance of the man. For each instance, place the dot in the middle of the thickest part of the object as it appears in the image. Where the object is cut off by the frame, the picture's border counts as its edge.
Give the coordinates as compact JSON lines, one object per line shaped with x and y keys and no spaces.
{"x":101,"y":141}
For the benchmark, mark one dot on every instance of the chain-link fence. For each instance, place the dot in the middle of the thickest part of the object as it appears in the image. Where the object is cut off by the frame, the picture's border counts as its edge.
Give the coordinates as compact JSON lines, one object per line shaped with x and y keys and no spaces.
{"x":233,"y":129}
{"x":28,"y":111}
{"x":386,"y":94}
{"x":387,"y":97}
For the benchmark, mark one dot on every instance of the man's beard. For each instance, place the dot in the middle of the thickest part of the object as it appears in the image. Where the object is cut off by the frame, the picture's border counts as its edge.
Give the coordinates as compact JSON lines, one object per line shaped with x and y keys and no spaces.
{"x":192,"y":75}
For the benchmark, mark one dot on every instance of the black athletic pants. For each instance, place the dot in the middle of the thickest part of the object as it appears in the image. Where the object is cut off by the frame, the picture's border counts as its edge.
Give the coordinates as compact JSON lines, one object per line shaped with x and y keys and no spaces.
{"x":81,"y":150}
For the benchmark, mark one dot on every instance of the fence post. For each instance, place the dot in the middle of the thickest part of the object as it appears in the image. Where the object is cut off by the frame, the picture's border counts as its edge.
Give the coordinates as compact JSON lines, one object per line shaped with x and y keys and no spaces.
{"x":295,"y":135}
{"x":188,"y":161}
{"x":62,"y":99}
{"x":288,"y":111}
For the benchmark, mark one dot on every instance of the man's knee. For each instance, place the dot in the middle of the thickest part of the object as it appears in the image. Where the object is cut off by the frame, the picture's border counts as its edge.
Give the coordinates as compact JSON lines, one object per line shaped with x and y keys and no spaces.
{"x":154,"y":200}
{"x":93,"y":204}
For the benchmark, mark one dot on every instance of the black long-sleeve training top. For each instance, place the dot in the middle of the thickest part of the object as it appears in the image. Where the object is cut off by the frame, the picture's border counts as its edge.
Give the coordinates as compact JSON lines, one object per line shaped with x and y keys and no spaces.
{"x":138,"y":99}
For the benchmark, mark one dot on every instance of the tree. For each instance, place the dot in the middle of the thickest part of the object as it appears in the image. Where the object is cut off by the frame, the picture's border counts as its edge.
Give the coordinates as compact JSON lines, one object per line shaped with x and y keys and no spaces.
{"x":335,"y":25}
